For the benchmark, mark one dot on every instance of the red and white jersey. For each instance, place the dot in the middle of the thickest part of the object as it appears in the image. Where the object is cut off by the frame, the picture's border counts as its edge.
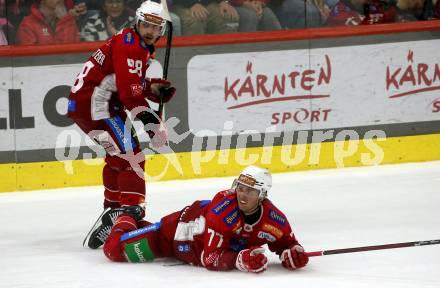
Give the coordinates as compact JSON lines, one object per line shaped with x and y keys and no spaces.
{"x":123,"y":60}
{"x":212,"y":234}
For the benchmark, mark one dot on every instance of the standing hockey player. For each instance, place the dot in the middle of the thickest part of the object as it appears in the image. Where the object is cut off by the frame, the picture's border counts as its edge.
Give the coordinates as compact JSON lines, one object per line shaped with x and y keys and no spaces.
{"x":222,"y":234}
{"x":111,"y":83}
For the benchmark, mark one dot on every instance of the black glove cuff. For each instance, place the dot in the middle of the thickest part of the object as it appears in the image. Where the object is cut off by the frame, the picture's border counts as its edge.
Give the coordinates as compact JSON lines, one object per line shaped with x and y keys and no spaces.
{"x":148,"y":117}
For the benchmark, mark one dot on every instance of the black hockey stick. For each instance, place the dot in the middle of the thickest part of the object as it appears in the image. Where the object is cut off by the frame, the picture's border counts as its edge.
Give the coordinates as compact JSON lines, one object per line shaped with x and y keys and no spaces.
{"x":166,"y":63}
{"x":374,"y":247}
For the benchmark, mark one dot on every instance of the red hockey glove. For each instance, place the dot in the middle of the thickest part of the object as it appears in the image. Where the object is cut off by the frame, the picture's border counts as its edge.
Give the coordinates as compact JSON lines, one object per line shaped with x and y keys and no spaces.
{"x":251,"y":260}
{"x":294,"y":258}
{"x":155,"y":86}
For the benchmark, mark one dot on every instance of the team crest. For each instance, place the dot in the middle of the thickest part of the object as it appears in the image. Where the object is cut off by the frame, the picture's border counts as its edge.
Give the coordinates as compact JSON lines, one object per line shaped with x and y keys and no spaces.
{"x":136,"y":90}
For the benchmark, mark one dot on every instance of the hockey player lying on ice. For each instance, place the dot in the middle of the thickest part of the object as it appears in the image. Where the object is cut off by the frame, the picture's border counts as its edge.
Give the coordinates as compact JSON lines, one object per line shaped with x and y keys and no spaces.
{"x":224,"y":233}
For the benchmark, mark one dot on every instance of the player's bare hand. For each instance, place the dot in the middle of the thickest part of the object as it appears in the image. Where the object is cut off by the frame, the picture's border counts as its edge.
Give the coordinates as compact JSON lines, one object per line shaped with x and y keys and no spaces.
{"x":111,"y":29}
{"x":79,"y":9}
{"x":199,"y":12}
{"x":228,"y":12}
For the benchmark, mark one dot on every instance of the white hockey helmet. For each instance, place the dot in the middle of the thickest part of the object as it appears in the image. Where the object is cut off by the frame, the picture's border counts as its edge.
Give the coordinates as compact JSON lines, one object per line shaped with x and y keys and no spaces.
{"x":153,"y":13}
{"x":257,"y":178}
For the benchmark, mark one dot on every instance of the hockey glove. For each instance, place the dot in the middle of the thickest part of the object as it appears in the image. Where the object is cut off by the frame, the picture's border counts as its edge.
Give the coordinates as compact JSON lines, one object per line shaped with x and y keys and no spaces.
{"x":155,"y":86}
{"x":155,"y":128}
{"x":251,"y":260}
{"x":294,"y":258}
{"x":159,"y":137}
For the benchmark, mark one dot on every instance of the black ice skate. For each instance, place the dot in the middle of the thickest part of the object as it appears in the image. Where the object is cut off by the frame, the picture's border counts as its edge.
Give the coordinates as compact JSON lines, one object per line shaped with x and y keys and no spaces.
{"x":103,"y":226}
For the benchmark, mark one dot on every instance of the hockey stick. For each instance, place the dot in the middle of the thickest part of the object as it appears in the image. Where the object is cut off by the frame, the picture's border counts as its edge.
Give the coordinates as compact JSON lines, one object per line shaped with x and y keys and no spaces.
{"x":166,"y":62}
{"x":374,"y":247}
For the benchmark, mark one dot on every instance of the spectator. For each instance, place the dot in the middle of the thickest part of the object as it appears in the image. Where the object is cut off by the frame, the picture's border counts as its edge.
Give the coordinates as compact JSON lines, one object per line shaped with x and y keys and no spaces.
{"x":177,"y":30}
{"x":331,"y":3}
{"x":206,"y":16}
{"x":3,"y":39}
{"x":355,"y":12}
{"x":3,"y":24}
{"x":255,"y":16}
{"x":103,"y":24}
{"x":345,"y":12}
{"x":16,"y":10}
{"x":410,"y":10}
{"x":436,"y":8}
{"x":49,"y":23}
{"x":177,"y":25}
{"x":378,"y":11}
{"x":294,"y":14}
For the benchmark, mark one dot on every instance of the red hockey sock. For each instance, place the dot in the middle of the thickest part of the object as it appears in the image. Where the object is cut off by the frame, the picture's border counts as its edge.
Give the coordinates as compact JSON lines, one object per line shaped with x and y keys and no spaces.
{"x":111,"y":193}
{"x":113,"y":248}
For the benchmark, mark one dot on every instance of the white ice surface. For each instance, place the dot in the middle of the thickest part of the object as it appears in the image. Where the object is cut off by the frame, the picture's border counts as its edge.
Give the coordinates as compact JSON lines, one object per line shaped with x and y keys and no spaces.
{"x":41,"y":232}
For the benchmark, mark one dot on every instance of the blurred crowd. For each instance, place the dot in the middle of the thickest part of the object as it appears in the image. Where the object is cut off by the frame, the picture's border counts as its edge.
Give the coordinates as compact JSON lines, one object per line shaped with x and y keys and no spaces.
{"x":27,"y":22}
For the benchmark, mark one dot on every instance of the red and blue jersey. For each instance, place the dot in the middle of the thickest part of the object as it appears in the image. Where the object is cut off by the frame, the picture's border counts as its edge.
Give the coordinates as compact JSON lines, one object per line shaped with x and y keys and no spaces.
{"x":212,"y":233}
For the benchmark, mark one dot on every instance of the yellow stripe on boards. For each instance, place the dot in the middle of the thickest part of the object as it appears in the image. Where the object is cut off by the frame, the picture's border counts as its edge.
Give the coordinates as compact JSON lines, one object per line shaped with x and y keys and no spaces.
{"x":188,"y":165}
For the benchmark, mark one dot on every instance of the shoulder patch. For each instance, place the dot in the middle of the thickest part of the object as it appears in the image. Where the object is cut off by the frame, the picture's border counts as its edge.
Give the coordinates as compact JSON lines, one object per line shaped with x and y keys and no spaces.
{"x":232,"y":217}
{"x":221,"y":206}
{"x":273,"y":230}
{"x":277,"y":217}
{"x":128,"y":38}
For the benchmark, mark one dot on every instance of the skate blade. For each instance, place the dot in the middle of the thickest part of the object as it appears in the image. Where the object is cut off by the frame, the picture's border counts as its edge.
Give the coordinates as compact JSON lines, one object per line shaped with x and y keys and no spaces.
{"x":95,"y":225}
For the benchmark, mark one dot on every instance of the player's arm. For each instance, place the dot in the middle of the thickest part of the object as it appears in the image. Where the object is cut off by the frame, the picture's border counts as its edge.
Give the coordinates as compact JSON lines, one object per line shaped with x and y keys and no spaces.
{"x":291,"y":253}
{"x":218,"y":256}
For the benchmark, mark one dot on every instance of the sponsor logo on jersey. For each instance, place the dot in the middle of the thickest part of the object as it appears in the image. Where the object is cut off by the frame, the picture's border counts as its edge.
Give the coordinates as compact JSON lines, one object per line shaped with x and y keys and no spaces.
{"x":277,"y":217}
{"x":237,"y":228}
{"x":221,"y":206}
{"x":99,"y":57}
{"x":136,"y":90}
{"x":132,"y":234}
{"x":183,"y":248}
{"x":232,"y":217}
{"x":264,"y":235}
{"x":128,"y":38}
{"x":273,"y":230}
{"x":139,"y":251}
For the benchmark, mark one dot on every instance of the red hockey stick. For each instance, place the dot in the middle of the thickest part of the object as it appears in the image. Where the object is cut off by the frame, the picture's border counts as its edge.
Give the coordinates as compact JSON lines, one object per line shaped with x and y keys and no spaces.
{"x":371,"y":248}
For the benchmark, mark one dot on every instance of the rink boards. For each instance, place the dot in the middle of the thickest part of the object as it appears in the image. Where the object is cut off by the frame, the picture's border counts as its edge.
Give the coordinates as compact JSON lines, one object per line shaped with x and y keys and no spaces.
{"x":284,"y":104}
